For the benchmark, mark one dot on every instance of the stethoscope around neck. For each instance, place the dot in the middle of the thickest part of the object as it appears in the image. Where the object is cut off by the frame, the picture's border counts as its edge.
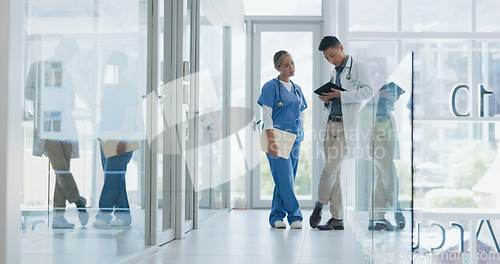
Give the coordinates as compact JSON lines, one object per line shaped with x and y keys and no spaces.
{"x":280,"y":103}
{"x":348,"y":76}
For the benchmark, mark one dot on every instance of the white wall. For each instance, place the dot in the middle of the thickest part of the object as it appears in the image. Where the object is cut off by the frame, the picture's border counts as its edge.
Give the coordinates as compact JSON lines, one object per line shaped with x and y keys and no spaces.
{"x":10,"y":128}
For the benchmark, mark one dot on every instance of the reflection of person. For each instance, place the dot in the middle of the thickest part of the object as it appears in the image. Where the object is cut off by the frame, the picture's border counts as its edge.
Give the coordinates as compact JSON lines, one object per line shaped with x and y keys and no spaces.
{"x":118,"y":123}
{"x":342,"y":110}
{"x":282,"y":103}
{"x":50,"y":87}
{"x":385,"y":150}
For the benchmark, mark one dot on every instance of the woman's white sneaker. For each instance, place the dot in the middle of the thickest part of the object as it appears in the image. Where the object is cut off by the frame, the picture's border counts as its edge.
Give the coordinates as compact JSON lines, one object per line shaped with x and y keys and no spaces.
{"x":296,"y":225}
{"x":99,"y":223}
{"x":279,"y":224}
{"x":119,"y":223}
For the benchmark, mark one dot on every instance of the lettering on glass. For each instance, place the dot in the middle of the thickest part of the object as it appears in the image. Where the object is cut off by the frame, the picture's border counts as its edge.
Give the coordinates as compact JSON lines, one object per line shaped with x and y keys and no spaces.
{"x":453,"y":102}
{"x":417,"y":230}
{"x":454,"y":97}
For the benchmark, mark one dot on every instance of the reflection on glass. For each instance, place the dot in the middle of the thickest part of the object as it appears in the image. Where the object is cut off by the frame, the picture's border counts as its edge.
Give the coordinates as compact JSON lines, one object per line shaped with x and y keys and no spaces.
{"x":76,"y":91}
{"x":55,"y":136}
{"x":383,"y":181}
{"x":120,"y":130}
{"x":385,"y":149}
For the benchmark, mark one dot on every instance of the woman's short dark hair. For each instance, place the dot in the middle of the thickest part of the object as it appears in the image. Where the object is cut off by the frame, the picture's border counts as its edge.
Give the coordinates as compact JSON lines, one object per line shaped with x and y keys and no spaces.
{"x":329,"y":41}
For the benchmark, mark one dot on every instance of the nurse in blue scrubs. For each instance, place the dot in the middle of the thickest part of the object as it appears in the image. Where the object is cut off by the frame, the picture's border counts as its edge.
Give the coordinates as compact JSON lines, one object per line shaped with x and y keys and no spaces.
{"x":283,"y":103}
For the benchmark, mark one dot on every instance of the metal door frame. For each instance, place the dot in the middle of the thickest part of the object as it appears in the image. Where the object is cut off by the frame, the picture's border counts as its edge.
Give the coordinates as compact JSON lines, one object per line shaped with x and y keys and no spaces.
{"x":255,"y":26}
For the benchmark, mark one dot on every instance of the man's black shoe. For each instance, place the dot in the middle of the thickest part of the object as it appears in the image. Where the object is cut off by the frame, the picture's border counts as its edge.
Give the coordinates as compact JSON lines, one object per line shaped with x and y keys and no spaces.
{"x":400,"y":220}
{"x":81,"y":203}
{"x":381,"y":225}
{"x":83,"y":215}
{"x":315,"y":217}
{"x":332,"y":224}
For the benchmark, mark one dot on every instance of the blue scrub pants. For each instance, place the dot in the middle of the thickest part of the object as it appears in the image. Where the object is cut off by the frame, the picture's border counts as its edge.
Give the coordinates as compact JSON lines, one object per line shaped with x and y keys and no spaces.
{"x":284,"y":200}
{"x":114,"y":193}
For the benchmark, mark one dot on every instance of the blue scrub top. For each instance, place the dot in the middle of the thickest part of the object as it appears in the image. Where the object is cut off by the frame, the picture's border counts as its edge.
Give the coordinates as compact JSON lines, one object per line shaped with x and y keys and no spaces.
{"x":286,"y":118}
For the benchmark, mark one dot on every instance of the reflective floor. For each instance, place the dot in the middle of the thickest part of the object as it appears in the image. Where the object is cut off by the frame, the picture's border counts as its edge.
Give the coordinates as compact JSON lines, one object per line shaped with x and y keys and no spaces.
{"x":235,"y":236}
{"x":42,"y":244}
{"x":245,"y":237}
{"x":383,"y":247}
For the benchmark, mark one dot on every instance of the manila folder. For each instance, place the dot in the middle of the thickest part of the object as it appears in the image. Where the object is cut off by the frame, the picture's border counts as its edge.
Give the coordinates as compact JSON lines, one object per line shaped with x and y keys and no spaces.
{"x":284,"y":141}
{"x":109,"y":147}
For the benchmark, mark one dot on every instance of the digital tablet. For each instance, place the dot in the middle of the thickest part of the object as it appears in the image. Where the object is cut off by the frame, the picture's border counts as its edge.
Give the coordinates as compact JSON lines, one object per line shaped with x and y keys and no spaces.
{"x":327,"y":88}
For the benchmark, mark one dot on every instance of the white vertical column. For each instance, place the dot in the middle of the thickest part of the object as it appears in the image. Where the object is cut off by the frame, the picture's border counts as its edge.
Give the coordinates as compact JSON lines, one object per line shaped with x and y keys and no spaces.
{"x":329,"y":12}
{"x":473,"y":63}
{"x":195,"y":99}
{"x":329,"y":29}
{"x":226,"y":171}
{"x":11,"y":28}
{"x":150,"y":196}
{"x":249,"y":101}
{"x":350,"y":165}
{"x":343,"y":22}
{"x":179,"y":137}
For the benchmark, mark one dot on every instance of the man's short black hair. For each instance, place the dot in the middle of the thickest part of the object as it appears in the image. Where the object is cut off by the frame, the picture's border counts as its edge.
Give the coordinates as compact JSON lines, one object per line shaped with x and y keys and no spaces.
{"x":329,"y":41}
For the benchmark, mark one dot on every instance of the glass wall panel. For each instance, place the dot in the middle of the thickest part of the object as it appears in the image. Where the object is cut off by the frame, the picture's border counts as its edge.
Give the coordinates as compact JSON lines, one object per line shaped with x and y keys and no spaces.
{"x":188,"y":110}
{"x":84,"y":148}
{"x":362,"y":14}
{"x":435,"y":16}
{"x":488,"y":67}
{"x":237,"y":157}
{"x":487,"y":20}
{"x":441,"y":67}
{"x":456,"y":154}
{"x":380,"y":203}
{"x":210,"y":165}
{"x":162,"y":110}
{"x":283,"y":7}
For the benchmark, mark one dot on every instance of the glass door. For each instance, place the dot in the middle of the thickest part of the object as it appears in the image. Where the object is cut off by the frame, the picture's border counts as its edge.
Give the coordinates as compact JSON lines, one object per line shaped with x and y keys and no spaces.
{"x":159,"y":136}
{"x":85,"y":72}
{"x":189,"y":104}
{"x":301,"y":41}
{"x":211,"y":126}
{"x":173,"y":126}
